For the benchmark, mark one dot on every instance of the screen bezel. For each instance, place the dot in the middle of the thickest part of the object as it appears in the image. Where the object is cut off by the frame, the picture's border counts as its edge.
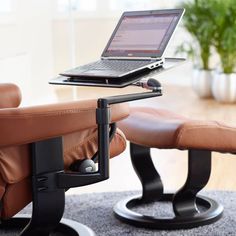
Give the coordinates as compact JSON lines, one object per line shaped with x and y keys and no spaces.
{"x":180,"y":13}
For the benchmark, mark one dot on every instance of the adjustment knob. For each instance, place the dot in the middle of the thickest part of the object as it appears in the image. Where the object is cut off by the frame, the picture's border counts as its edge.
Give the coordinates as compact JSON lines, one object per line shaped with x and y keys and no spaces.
{"x":84,"y":166}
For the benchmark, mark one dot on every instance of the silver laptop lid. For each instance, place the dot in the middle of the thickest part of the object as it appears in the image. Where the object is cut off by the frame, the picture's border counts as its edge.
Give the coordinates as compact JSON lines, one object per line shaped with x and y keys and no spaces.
{"x":142,"y":34}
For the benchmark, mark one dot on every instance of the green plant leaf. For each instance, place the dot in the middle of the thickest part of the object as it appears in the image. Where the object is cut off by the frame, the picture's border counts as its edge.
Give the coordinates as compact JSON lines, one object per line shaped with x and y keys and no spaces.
{"x":213,"y":22}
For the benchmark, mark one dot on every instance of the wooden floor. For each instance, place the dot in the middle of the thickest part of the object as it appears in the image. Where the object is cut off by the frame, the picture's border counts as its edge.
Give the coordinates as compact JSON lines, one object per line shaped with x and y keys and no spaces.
{"x":172,"y":163}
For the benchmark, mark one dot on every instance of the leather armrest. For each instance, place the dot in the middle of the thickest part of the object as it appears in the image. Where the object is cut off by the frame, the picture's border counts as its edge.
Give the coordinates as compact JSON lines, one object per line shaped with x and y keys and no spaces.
{"x":29,"y":124}
{"x":10,"y":95}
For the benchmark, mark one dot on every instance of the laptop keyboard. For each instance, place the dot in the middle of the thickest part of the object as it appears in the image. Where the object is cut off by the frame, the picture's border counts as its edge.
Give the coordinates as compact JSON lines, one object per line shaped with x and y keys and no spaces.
{"x":115,"y":65}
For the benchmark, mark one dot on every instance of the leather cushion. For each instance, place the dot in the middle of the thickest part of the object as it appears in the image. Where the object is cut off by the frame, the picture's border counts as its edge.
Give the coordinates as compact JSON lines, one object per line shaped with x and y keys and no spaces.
{"x":164,"y":129}
{"x":12,"y":204}
{"x":15,"y":166}
{"x":29,"y":124}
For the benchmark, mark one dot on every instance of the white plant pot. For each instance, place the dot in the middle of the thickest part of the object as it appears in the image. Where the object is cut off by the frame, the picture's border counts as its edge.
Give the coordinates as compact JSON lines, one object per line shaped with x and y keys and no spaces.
{"x":201,"y":82}
{"x":224,"y":87}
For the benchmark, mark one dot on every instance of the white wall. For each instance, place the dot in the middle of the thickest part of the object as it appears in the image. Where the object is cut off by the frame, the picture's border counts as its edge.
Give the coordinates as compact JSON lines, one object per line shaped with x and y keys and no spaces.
{"x":91,"y":36}
{"x":16,"y":69}
{"x":26,"y":47}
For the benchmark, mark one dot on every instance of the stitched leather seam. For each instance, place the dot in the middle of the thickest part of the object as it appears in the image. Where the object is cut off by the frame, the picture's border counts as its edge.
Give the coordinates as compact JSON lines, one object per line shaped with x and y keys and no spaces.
{"x":180,"y":134}
{"x":54,"y":113}
{"x":48,"y":113}
{"x":2,"y":176}
{"x":122,"y":139}
{"x":1,"y":169}
{"x":5,"y":203}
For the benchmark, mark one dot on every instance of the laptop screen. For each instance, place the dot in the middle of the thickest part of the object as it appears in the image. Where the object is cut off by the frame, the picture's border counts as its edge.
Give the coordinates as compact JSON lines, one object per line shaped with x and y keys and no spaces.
{"x":143,"y":34}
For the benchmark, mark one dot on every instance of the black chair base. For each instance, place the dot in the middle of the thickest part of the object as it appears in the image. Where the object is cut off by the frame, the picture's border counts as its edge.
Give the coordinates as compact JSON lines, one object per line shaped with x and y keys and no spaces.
{"x":190,"y":210}
{"x":210,"y":212}
{"x":66,"y":227}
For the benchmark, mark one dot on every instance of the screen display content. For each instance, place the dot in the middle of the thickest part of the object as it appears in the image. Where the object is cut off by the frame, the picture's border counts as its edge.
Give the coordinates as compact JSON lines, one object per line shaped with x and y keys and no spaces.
{"x":142,"y":35}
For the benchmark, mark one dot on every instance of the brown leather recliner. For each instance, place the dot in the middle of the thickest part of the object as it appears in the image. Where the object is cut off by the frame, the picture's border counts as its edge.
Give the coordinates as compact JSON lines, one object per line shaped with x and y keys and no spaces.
{"x":20,"y":127}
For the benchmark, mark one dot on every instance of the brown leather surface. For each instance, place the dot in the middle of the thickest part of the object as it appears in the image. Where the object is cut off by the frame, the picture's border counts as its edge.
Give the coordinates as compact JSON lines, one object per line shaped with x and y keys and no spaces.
{"x":10,"y":95}
{"x":16,"y":197}
{"x":164,"y":129}
{"x":2,"y":186}
{"x":15,"y":165}
{"x":41,"y":122}
{"x":151,"y":127}
{"x":209,"y":135}
{"x":75,"y":121}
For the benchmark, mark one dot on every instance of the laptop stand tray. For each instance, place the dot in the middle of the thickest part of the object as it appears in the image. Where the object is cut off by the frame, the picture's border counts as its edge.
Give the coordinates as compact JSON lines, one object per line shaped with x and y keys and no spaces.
{"x":119,"y":82}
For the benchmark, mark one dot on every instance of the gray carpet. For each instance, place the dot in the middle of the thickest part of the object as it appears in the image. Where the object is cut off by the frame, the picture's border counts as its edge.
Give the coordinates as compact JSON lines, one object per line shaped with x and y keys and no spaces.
{"x":95,"y":210}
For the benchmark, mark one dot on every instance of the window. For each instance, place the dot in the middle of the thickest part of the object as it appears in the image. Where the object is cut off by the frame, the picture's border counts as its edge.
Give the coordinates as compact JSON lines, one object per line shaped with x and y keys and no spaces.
{"x":76,"y":5}
{"x":5,"y":6}
{"x":107,"y":8}
{"x":117,"y":5}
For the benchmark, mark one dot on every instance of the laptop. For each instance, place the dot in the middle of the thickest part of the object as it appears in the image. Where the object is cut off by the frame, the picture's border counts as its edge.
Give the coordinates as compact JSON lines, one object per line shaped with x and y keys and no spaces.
{"x":136,"y":45}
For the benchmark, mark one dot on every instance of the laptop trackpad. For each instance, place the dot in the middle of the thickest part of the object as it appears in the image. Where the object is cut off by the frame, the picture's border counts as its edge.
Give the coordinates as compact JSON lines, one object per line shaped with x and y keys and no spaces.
{"x":98,"y":72}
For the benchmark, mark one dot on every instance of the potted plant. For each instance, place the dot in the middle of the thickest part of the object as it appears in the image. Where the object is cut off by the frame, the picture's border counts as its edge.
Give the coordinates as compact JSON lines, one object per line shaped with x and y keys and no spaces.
{"x":198,"y":22}
{"x":224,"y":83}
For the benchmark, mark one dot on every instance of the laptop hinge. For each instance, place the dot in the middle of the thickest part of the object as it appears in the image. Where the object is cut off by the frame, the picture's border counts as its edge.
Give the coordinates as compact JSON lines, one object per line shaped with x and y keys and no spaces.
{"x":130,"y":58}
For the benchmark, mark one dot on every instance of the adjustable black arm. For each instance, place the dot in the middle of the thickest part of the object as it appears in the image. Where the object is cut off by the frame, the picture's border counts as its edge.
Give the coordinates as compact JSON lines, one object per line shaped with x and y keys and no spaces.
{"x":74,"y":179}
{"x":103,"y":118}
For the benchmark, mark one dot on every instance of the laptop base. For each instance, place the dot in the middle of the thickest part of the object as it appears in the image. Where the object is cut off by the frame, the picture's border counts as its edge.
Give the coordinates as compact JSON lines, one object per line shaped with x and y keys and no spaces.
{"x":117,"y":82}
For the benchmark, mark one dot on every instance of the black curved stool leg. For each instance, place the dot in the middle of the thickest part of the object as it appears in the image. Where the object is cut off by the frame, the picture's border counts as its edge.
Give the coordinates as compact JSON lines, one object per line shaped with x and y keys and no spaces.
{"x":150,"y":179}
{"x":186,"y":203}
{"x":199,"y":170}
